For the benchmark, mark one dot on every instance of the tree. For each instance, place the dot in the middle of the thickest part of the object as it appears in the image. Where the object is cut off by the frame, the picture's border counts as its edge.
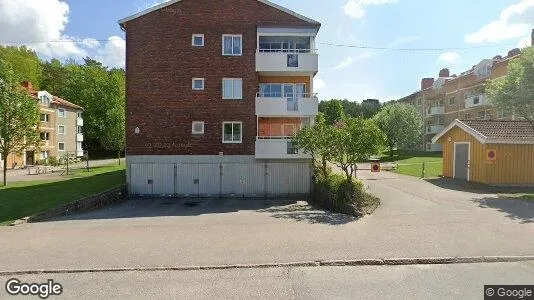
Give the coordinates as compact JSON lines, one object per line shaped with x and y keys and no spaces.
{"x":352,"y":141}
{"x":402,"y":125}
{"x":514,"y":93}
{"x":24,"y":63}
{"x":114,"y":137}
{"x":333,"y":112}
{"x":19,"y":116}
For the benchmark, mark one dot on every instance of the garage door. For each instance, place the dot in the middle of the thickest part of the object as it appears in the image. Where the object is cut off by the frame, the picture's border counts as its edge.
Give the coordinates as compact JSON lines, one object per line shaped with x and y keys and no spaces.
{"x":215,"y":180}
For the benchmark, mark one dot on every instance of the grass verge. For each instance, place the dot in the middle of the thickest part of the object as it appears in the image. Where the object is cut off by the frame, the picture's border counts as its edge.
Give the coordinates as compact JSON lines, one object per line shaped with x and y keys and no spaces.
{"x":411,"y":163}
{"x":22,"y":199}
{"x":526,"y":197}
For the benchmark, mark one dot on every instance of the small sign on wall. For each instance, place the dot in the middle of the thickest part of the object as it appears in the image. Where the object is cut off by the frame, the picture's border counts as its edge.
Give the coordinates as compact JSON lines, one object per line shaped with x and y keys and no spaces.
{"x":375,"y":167}
{"x":491,"y":155}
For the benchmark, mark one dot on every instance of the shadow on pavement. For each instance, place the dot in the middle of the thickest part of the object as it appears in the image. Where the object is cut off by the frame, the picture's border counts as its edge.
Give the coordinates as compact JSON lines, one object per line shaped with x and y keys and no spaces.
{"x":295,"y":209}
{"x":515,"y":209}
{"x":477,"y":188}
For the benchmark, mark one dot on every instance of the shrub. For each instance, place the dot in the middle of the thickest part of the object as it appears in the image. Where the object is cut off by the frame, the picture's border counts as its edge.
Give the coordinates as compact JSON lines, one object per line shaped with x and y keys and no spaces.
{"x":336,"y":193}
{"x":52,"y":160}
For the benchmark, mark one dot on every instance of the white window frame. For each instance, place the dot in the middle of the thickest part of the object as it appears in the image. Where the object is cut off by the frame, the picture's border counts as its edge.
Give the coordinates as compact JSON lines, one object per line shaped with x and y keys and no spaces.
{"x":453,"y":103}
{"x":196,"y":123}
{"x":196,"y":35}
{"x":232,"y":123}
{"x":59,"y":148}
{"x":47,"y":118}
{"x":64,"y":130}
{"x":240,"y":44}
{"x":198,"y":79}
{"x":61,"y":112}
{"x":233,"y":92}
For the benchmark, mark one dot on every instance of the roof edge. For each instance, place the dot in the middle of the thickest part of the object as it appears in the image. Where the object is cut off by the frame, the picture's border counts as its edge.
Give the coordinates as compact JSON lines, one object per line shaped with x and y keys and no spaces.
{"x":477,"y":135}
{"x":171,"y":2}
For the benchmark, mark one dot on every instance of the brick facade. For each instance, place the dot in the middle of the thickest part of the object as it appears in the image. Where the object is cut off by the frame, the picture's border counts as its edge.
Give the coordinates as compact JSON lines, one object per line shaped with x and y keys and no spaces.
{"x":161,"y":63}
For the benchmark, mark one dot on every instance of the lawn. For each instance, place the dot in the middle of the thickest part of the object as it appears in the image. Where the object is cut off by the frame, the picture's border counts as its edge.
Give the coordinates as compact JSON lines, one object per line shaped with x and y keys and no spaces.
{"x":527,"y":197}
{"x":22,"y":199}
{"x":411,"y":163}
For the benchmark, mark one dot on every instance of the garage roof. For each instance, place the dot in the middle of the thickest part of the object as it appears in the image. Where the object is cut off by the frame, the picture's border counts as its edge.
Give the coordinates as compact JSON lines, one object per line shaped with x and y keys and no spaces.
{"x":494,"y":132}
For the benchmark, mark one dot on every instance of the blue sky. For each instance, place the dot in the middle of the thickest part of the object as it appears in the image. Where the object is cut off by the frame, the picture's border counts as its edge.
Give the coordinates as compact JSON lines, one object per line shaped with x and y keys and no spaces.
{"x":485,"y":28}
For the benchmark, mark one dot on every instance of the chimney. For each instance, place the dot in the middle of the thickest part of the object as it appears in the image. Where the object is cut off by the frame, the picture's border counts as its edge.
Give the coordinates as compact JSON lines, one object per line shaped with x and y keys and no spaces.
{"x":426,"y":83}
{"x":27,"y":85}
{"x":444,"y":73}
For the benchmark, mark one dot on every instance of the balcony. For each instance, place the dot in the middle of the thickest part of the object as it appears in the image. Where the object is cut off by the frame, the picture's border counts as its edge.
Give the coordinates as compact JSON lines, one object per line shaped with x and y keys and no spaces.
{"x":79,"y":137}
{"x":293,"y":61}
{"x":278,"y":149}
{"x":435,"y":111}
{"x":306,"y":105}
{"x":478,"y":100}
{"x":433,"y":129}
{"x":79,"y":122}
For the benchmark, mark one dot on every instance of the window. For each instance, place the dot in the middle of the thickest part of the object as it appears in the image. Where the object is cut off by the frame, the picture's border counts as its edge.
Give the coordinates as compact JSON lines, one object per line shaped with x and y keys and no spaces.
{"x":452,"y":101}
{"x":232,"y":88}
{"x":79,"y":115}
{"x":441,"y":121}
{"x":198,"y":84}
{"x":45,"y":100}
{"x":232,"y":132}
{"x":502,"y":114}
{"x":45,"y":136}
{"x":79,"y":129}
{"x":61,"y":113}
{"x":419,"y":101}
{"x":291,"y":149}
{"x":232,"y":44}
{"x":476,"y":100}
{"x":61,"y":146}
{"x":44,"y":154}
{"x":45,"y":117}
{"x":197,"y":40}
{"x":467,"y":116}
{"x":61,"y":129}
{"x":197,"y":127}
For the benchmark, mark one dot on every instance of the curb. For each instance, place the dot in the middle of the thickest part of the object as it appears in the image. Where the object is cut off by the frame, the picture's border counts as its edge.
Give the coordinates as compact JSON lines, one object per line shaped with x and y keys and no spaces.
{"x":320,"y":263}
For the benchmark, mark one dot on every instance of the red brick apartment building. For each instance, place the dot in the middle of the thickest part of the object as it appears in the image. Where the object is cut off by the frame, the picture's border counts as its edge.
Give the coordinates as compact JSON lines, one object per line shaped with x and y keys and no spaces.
{"x":214,"y":92}
{"x":450,"y":97}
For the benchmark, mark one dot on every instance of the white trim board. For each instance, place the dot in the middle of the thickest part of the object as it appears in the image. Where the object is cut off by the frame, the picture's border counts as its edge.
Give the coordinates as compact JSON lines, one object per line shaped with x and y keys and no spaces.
{"x":477,"y":135}
{"x":171,"y":2}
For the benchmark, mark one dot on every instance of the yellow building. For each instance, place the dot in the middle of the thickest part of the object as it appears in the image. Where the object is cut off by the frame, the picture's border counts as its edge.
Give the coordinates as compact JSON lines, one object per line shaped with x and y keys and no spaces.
{"x":489,"y":152}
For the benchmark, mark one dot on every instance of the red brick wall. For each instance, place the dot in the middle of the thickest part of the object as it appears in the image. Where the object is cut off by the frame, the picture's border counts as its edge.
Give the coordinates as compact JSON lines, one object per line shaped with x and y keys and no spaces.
{"x":161,"y":62}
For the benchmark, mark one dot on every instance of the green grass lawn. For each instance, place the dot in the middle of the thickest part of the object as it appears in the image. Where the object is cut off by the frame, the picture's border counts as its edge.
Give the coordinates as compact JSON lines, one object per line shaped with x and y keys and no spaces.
{"x":527,"y":197}
{"x":411,"y":162}
{"x":22,"y":199}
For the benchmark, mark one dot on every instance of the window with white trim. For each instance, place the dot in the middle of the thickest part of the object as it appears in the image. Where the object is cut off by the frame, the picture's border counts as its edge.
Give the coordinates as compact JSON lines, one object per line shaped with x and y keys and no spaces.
{"x":232,"y":44}
{"x":233,"y":88}
{"x":419,"y":101}
{"x":44,"y":154}
{"x":61,"y":113}
{"x":45,"y":117}
{"x":198,"y":84}
{"x":452,"y":101}
{"x":197,"y":127}
{"x":61,"y":146}
{"x":45,"y":136}
{"x":61,"y":129}
{"x":197,"y":40}
{"x":232,"y":132}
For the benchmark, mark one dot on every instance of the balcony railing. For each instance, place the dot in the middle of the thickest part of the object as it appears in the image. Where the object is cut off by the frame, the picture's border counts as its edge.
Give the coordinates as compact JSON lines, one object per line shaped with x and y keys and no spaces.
{"x":475,"y":101}
{"x":276,"y":104}
{"x":436,"y":110}
{"x":79,"y":122}
{"x":278,"y":149}
{"x":79,"y":137}
{"x":431,"y":129}
{"x":287,"y":60}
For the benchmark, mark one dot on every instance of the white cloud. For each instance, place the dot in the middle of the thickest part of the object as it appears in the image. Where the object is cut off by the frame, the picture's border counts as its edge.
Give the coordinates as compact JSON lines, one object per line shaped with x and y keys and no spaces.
{"x":349,"y":60}
{"x":113,"y":53}
{"x":356,"y":8}
{"x":525,"y":42}
{"x":40,"y":25}
{"x":318,"y":83}
{"x":515,"y":21}
{"x":450,"y":57}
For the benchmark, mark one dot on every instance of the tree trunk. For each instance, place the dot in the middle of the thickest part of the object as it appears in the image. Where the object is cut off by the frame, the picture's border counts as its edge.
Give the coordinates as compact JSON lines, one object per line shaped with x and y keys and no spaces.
{"x":391,"y":150}
{"x":119,"y":156}
{"x":324,"y":167}
{"x":5,"y":169}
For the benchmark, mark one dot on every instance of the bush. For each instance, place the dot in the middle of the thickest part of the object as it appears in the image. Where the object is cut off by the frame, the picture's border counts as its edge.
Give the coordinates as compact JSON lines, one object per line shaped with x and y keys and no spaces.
{"x":340,"y":195}
{"x":52,"y":160}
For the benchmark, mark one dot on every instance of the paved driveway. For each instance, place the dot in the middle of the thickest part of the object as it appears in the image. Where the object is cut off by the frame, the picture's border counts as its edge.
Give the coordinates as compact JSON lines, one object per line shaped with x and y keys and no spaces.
{"x":417,"y":219}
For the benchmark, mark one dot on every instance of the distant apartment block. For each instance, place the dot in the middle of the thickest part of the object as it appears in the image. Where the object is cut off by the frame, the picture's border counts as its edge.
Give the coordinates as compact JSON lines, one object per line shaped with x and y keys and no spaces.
{"x":448,"y":97}
{"x":61,"y":130}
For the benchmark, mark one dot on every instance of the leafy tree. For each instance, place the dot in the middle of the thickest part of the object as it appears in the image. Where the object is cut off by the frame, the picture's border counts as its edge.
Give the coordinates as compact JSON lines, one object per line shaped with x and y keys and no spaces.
{"x":54,"y":76}
{"x":353,"y":141}
{"x":402,"y":125}
{"x":351,"y":108}
{"x":114,"y":137}
{"x":333,"y":112}
{"x":19,"y":116}
{"x":514,"y":93}
{"x":24,"y":62}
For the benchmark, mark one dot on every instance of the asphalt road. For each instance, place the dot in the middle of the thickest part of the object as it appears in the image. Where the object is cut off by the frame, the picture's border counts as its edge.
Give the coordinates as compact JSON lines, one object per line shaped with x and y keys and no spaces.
{"x":462,"y":281}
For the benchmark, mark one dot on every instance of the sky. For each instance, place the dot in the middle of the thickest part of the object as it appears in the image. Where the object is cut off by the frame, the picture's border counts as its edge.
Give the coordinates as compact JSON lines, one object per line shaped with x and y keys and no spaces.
{"x":418,"y":37}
